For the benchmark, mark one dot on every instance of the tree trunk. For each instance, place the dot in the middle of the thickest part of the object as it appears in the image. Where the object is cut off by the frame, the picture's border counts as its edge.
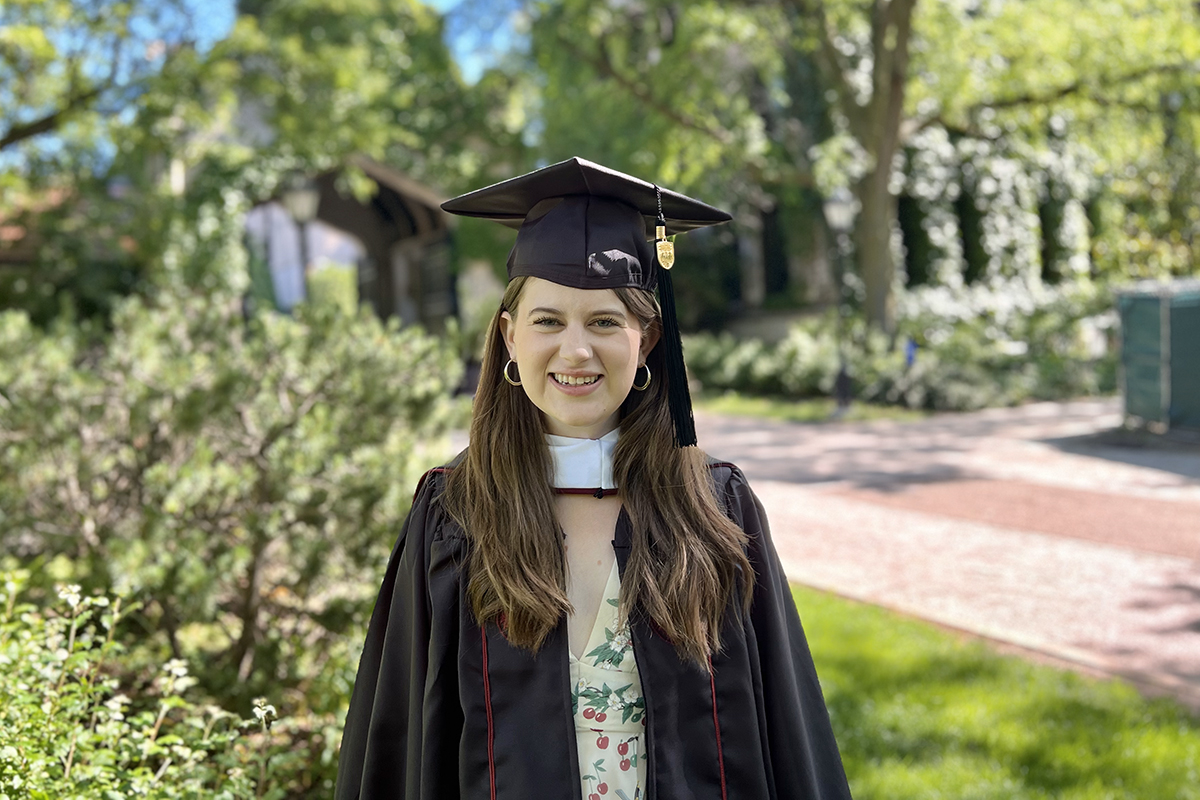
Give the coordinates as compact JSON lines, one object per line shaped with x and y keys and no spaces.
{"x":876,"y":126}
{"x":873,"y":248}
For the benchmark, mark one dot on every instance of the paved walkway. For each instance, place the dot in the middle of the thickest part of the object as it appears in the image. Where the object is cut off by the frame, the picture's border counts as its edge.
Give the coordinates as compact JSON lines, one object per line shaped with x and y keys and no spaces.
{"x":1027,"y":526}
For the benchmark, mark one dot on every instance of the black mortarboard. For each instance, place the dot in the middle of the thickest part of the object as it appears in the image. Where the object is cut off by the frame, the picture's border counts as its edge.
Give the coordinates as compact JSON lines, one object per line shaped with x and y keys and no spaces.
{"x":583,"y":225}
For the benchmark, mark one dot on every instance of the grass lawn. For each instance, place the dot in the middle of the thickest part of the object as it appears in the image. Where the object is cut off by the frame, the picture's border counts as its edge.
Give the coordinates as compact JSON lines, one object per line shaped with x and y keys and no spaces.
{"x":921,"y":713}
{"x":809,"y":410}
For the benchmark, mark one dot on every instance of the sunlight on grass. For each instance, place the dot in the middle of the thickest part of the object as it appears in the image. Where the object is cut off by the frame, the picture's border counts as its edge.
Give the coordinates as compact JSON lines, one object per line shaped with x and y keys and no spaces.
{"x":818,"y":409}
{"x":920,"y":713}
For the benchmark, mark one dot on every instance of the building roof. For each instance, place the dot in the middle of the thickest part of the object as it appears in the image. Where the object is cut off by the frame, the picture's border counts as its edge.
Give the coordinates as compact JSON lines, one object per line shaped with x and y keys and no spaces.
{"x":394,"y":179}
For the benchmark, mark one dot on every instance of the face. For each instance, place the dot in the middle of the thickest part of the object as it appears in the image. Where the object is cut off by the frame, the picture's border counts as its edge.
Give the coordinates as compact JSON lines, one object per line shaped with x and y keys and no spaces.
{"x":577,"y":351}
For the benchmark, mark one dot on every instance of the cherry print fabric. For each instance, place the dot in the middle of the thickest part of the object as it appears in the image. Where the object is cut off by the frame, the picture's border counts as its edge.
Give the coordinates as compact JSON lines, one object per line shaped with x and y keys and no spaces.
{"x":609,"y":708}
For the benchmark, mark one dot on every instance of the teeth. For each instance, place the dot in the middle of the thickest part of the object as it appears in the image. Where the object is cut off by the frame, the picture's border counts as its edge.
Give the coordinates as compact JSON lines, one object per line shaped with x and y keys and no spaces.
{"x":569,"y":380}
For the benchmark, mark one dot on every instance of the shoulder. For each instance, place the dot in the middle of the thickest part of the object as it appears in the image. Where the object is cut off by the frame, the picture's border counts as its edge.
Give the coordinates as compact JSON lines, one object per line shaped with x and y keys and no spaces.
{"x":726,"y":476}
{"x":433,"y":483}
{"x":428,"y":514}
{"x":722,"y":471}
{"x":734,"y":494}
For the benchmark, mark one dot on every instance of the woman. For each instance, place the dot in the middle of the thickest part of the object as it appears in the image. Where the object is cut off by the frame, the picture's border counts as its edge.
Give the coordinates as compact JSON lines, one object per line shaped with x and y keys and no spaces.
{"x":582,"y":604}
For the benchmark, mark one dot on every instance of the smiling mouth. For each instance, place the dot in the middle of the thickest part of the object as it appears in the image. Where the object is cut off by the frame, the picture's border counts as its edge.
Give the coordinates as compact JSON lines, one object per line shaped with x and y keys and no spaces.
{"x":572,"y":380}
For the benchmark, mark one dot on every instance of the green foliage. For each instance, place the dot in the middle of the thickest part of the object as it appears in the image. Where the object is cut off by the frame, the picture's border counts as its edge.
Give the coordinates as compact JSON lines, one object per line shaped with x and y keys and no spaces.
{"x":374,"y":76}
{"x":105,"y":97}
{"x":655,"y":88}
{"x":974,"y":349}
{"x":1032,"y":148}
{"x":919,"y":713}
{"x":334,"y":285}
{"x":802,"y":365}
{"x":68,"y":66}
{"x":1088,"y":127}
{"x":205,"y":134}
{"x":244,"y":481}
{"x":1016,"y":66}
{"x":72,"y":731}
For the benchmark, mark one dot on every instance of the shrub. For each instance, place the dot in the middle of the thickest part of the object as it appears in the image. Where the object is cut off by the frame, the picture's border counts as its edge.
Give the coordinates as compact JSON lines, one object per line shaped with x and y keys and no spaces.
{"x":69,"y":729}
{"x":243,"y":480}
{"x":334,"y":285}
{"x":974,"y":349}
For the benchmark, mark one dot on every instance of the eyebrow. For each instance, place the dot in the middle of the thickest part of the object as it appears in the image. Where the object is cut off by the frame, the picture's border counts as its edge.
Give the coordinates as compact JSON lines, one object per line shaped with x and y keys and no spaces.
{"x":597,"y":313}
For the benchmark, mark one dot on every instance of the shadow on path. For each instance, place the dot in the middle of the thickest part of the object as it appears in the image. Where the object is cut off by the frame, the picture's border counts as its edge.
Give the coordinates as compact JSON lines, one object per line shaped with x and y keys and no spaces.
{"x":946,"y":447}
{"x":1137,"y":449}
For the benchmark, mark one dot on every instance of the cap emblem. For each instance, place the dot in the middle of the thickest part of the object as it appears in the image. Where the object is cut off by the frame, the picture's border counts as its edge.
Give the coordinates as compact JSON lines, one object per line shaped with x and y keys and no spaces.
{"x":665,"y":248}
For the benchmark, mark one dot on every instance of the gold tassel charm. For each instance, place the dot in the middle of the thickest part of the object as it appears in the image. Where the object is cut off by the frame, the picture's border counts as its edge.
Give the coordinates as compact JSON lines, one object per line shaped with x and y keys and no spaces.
{"x":665,"y":247}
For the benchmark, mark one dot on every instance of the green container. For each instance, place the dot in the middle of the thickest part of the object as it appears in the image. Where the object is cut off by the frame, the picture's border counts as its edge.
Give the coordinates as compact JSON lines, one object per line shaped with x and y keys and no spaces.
{"x":1160,"y":353}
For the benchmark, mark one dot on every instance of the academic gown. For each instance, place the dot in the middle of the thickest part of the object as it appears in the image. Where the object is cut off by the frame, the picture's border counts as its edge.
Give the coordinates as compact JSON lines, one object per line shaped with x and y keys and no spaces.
{"x":442,"y":709}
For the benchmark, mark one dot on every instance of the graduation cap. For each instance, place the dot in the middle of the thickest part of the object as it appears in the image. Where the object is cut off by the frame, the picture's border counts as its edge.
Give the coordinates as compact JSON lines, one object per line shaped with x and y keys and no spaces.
{"x":584,"y":225}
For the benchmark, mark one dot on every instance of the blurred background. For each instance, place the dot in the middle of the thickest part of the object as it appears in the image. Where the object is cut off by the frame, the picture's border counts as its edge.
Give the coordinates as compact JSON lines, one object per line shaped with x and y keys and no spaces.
{"x":236,"y":327}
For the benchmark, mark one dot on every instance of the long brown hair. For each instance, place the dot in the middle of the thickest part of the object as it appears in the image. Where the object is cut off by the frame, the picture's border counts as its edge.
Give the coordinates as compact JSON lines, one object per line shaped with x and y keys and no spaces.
{"x":687,"y":561}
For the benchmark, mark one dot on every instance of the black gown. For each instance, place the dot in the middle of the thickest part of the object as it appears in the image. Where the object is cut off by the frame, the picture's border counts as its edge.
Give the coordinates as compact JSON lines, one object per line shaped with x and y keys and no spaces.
{"x":442,"y":709}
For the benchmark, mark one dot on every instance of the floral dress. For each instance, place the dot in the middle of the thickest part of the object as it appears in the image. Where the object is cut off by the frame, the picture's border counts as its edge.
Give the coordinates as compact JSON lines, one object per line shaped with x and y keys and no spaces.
{"x":610,"y":712}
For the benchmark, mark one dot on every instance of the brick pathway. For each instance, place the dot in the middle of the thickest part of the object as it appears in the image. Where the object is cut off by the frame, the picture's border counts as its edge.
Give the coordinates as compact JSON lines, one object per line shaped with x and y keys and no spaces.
{"x":1021,"y":525}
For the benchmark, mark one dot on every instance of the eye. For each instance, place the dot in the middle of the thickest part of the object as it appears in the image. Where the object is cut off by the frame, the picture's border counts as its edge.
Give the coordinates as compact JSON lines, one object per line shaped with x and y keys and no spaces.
{"x":545,"y":321}
{"x":608,"y":322}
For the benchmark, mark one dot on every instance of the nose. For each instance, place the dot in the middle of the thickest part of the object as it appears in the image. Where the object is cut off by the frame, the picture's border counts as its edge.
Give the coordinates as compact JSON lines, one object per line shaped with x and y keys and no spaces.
{"x":574,"y":347}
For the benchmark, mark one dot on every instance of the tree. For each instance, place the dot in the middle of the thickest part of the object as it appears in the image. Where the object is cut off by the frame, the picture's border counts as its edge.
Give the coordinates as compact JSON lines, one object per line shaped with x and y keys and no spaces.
{"x":1114,"y":91}
{"x":71,"y":73}
{"x":210,"y":130}
{"x":728,"y":104}
{"x":872,"y":107}
{"x":696,"y":96}
{"x":717,"y":90}
{"x":990,"y":70}
{"x":79,"y":63}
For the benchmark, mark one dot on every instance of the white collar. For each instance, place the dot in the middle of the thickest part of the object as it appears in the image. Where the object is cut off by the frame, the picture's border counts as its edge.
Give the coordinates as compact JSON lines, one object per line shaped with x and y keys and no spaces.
{"x":582,"y":463}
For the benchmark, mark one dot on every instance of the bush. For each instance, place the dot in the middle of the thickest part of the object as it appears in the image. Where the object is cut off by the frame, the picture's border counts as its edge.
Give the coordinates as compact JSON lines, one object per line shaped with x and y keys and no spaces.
{"x":244,"y":481}
{"x":804,"y":364}
{"x":976,"y":350}
{"x":335,"y":285}
{"x":72,"y":732}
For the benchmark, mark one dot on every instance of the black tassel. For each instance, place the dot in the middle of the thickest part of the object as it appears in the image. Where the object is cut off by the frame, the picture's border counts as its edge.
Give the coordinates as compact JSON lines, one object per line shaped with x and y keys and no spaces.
{"x":678,"y":397}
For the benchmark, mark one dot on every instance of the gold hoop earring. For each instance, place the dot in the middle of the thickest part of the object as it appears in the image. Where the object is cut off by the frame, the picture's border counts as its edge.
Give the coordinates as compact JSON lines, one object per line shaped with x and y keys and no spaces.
{"x":644,"y":386}
{"x":510,"y":380}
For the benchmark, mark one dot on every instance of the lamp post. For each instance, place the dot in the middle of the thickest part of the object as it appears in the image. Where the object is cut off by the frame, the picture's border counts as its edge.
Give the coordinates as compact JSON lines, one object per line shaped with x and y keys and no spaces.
{"x":301,"y":197}
{"x":840,"y":208}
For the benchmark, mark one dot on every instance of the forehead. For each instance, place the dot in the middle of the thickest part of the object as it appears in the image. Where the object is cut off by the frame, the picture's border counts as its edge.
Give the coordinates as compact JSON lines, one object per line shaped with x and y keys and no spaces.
{"x":541,"y":293}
